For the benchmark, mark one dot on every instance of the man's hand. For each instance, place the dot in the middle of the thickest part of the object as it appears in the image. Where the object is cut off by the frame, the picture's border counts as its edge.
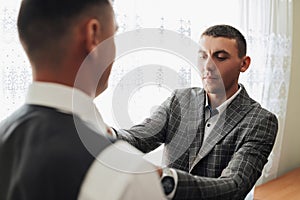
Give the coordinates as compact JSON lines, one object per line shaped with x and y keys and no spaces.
{"x":109,"y":131}
{"x":159,"y":171}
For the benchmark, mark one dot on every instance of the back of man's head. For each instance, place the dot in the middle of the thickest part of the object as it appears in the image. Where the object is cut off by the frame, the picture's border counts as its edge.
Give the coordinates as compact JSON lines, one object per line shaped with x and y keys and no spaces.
{"x":43,"y":25}
{"x":230,"y":32}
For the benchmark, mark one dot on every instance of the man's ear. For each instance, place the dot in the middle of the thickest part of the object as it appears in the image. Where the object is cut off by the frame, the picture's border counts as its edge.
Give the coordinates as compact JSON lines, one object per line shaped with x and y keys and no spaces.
{"x":245,"y":63}
{"x":93,"y":34}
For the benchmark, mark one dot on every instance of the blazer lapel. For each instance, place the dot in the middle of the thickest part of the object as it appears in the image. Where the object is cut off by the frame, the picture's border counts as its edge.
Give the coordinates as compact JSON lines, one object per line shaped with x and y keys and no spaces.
{"x":196,"y":123}
{"x":228,"y":120}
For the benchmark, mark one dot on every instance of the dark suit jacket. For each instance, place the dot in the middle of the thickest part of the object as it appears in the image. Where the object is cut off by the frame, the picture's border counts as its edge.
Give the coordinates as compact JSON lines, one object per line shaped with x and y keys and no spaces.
{"x":42,"y":156}
{"x":231,"y":159}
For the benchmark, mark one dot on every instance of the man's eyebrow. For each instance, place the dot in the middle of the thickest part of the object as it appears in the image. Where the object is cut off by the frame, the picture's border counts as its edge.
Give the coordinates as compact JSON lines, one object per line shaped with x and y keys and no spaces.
{"x":221,"y":51}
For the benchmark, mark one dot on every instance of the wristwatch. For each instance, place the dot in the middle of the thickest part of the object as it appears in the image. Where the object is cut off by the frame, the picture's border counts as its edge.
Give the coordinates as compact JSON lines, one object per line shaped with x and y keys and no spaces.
{"x":168,"y":181}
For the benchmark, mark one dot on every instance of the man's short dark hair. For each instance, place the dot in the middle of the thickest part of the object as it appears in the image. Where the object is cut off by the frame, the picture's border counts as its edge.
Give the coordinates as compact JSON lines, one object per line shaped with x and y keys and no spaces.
{"x":228,"y":32}
{"x":43,"y":22}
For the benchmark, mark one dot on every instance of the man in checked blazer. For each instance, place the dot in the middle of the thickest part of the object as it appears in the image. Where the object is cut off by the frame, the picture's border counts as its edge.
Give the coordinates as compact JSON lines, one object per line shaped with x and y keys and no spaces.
{"x":216,"y":139}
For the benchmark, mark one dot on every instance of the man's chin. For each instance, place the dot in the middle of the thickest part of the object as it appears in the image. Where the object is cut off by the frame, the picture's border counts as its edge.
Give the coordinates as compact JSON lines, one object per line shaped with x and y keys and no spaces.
{"x":214,"y":89}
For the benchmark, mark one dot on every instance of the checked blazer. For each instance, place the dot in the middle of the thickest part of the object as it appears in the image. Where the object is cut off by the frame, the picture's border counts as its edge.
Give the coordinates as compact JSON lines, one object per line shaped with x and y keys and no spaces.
{"x":228,"y":163}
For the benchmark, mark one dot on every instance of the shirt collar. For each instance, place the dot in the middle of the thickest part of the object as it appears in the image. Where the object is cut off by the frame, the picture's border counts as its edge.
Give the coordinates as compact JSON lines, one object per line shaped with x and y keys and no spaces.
{"x":224,"y":105}
{"x":67,"y":100}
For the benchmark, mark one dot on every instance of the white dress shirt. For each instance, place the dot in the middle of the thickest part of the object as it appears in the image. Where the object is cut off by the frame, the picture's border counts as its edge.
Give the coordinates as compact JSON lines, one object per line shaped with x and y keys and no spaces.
{"x":119,"y":172}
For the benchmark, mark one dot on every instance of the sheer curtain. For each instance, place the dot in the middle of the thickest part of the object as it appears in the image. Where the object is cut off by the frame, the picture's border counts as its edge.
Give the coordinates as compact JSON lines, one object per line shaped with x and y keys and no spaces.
{"x":267,"y":25}
{"x":15,"y":73}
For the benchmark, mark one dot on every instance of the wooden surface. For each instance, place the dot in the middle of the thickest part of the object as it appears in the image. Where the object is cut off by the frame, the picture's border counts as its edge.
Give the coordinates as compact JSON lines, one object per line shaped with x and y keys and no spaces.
{"x":286,"y":187}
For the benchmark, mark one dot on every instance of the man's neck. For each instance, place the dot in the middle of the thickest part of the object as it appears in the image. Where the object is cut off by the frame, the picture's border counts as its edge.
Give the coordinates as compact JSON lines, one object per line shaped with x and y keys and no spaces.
{"x":216,"y":99}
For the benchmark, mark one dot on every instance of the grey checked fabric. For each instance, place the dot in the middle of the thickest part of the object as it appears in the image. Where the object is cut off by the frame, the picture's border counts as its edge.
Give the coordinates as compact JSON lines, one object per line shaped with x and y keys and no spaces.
{"x":228,"y":163}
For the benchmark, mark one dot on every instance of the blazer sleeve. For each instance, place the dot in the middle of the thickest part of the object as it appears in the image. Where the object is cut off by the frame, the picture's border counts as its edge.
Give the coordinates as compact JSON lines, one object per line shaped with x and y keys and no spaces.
{"x":151,"y":133}
{"x":241,"y":173}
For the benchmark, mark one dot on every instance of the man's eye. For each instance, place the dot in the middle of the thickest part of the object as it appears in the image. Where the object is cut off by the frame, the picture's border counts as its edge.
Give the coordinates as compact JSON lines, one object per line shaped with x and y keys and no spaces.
{"x":221,"y":58}
{"x":202,"y":57}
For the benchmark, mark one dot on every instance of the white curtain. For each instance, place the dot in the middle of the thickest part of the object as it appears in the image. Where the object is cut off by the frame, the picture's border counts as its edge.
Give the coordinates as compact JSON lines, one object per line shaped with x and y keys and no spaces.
{"x":267,"y":25}
{"x":15,"y":73}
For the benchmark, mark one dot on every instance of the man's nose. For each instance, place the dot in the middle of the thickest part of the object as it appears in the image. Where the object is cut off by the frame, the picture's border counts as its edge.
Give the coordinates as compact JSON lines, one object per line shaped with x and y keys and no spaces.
{"x":209,"y":64}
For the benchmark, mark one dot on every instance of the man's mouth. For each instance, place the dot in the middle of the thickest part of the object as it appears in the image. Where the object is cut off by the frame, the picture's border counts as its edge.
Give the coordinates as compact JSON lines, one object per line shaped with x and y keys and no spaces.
{"x":210,"y":77}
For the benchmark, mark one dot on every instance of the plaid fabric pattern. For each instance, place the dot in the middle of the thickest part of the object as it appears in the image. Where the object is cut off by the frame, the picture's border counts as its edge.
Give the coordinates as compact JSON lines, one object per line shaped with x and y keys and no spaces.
{"x":228,"y":163}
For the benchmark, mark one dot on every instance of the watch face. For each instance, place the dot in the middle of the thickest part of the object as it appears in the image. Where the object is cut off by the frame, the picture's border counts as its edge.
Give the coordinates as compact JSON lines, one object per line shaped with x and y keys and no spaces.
{"x":168,"y":184}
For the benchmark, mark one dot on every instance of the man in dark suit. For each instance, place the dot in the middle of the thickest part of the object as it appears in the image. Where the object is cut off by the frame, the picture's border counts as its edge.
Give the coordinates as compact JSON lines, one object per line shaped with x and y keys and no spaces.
{"x":49,"y":144}
{"x":216,"y":139}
